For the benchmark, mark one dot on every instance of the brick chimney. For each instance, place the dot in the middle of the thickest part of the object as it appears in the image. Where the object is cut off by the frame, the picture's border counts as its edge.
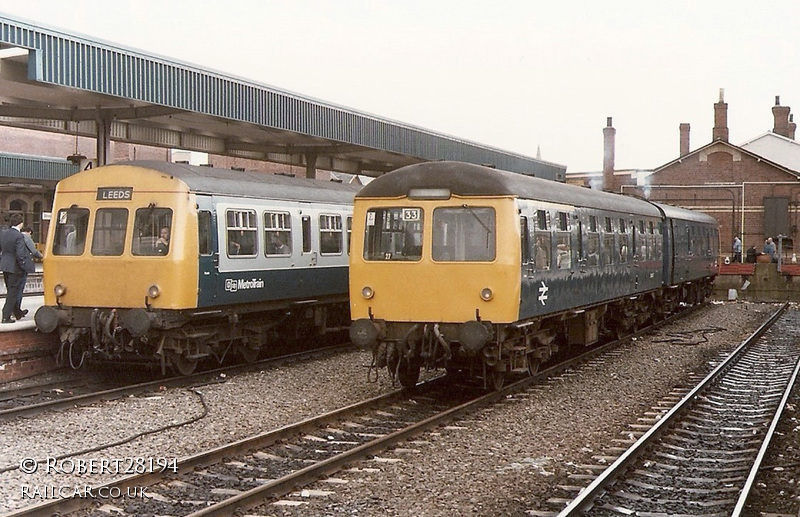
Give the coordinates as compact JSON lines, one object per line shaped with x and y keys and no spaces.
{"x":781,"y":115}
{"x":609,"y":135}
{"x":792,"y":128}
{"x":720,"y":118}
{"x":684,"y":127}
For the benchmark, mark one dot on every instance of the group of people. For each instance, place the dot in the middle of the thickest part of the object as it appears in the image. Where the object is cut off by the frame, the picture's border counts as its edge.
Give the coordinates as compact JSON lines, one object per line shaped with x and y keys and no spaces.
{"x":17,"y":252}
{"x":752,"y":253}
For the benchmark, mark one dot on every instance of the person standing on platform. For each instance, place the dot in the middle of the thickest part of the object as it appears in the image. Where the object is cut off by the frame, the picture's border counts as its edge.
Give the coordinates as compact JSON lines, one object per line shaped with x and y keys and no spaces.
{"x":15,"y":261}
{"x":737,"y":250}
{"x":36,"y":254}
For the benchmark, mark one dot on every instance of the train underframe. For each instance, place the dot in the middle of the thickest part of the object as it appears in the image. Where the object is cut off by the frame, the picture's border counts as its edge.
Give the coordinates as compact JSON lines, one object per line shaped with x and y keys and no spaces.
{"x":178,"y":341}
{"x":490,"y":353}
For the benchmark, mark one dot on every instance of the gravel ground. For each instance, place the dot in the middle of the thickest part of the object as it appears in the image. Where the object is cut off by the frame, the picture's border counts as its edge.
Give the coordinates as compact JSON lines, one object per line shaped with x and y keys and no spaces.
{"x":503,"y":460}
{"x":507,"y":459}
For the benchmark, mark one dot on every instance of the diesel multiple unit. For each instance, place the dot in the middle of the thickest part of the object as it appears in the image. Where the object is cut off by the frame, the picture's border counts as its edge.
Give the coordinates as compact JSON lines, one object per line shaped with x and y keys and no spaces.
{"x":172,"y":263}
{"x":485,"y":272}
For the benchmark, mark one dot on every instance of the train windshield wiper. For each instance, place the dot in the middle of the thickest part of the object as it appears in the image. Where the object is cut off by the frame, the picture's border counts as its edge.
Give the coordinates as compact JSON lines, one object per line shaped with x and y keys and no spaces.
{"x":488,"y":230}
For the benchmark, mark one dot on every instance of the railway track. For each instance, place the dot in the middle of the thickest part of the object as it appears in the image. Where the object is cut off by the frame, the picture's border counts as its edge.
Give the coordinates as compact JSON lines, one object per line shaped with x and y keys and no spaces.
{"x":702,"y":456}
{"x":51,"y":396}
{"x":262,"y":468}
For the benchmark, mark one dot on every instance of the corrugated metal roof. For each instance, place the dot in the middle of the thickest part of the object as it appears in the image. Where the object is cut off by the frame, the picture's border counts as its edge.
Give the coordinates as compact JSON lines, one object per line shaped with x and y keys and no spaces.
{"x":35,"y":167}
{"x":77,"y":62}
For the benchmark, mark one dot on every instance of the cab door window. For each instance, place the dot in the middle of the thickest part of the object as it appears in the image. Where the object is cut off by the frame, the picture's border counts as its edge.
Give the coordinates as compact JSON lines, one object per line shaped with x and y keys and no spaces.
{"x":70,"y":233}
{"x":110,"y":225}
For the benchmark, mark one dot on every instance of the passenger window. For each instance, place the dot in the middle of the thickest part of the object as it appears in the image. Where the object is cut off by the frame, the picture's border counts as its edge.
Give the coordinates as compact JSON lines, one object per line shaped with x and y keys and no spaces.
{"x":349,"y":232}
{"x":152,"y":231}
{"x":609,"y":251}
{"x":278,"y":234}
{"x":204,"y":232}
{"x":593,"y":249}
{"x":330,"y":234}
{"x":306,"y":224}
{"x":523,"y":245}
{"x":542,"y":248}
{"x":563,"y":250}
{"x":393,"y":233}
{"x":464,"y":234}
{"x":623,"y":244}
{"x":110,"y":225}
{"x":242,"y":232}
{"x":71,"y":227}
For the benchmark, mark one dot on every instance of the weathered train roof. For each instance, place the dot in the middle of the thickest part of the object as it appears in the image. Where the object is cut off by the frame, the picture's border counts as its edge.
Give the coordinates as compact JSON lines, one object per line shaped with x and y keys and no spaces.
{"x":466,"y":179}
{"x":210,"y":180}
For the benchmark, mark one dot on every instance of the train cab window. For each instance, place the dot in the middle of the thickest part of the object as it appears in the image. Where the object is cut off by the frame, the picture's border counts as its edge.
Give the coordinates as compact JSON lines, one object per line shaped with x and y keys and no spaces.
{"x":330,"y":234}
{"x":70,"y":233}
{"x":242,"y":232}
{"x":110,"y":225}
{"x":204,"y":232}
{"x":393,"y":233}
{"x":152,"y":231}
{"x":464,"y":234}
{"x":278,"y":234}
{"x":349,"y":232}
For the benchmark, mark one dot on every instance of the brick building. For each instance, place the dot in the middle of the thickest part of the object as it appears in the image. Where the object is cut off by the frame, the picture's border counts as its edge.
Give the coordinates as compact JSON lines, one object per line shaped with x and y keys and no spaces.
{"x":752,"y":189}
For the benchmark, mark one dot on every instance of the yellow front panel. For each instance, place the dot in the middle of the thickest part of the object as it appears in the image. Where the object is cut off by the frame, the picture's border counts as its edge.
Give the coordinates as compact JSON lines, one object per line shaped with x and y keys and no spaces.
{"x":428,"y":291}
{"x":122,"y":281}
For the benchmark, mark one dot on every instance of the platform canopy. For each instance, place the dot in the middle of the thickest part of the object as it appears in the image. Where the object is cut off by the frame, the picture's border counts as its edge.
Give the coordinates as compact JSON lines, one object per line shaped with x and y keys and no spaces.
{"x":51,"y":80}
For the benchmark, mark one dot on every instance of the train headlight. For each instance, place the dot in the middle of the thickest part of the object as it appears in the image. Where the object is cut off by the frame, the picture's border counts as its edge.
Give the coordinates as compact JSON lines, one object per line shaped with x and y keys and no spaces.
{"x":367,"y":292}
{"x":59,"y":290}
{"x":486,"y":294}
{"x":153,"y":291}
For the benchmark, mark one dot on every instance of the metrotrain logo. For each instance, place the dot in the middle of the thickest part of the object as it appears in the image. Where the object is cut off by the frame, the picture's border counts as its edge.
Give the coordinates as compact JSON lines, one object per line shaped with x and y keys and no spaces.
{"x":232,"y":285}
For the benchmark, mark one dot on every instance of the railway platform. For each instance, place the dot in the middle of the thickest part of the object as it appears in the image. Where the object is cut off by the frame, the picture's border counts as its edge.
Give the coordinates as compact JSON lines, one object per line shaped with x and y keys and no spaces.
{"x":23,"y":350}
{"x":762,"y":282}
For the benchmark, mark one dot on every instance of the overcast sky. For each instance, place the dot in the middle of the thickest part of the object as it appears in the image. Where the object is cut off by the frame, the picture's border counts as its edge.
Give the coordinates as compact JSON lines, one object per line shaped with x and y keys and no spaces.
{"x":518,"y":75}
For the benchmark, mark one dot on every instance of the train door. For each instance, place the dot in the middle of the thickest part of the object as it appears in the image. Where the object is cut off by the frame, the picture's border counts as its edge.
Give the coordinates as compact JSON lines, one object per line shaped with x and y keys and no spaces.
{"x":309,"y":252}
{"x":208,"y":252}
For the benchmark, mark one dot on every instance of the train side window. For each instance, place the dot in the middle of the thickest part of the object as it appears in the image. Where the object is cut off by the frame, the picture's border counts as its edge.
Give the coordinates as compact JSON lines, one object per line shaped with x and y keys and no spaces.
{"x":349,"y":232}
{"x":393,"y":233}
{"x":278,"y":234}
{"x":242,"y":233}
{"x":608,"y":242}
{"x":306,"y":224}
{"x":70,"y":232}
{"x":564,"y":250}
{"x":592,"y":243}
{"x":623,"y":244}
{"x":110,"y":225}
{"x":148,"y":226}
{"x":204,"y":232}
{"x":523,"y":244}
{"x":542,"y":251}
{"x":330,"y":234}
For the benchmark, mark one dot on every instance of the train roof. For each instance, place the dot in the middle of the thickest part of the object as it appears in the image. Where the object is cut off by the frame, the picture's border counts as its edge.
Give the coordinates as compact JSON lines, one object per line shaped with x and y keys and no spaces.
{"x":466,"y":179}
{"x":210,"y":180}
{"x":674,"y":212}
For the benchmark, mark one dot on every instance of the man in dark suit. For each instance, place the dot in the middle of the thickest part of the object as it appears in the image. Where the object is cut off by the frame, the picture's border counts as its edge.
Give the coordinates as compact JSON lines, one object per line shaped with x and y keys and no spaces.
{"x":15,"y":261}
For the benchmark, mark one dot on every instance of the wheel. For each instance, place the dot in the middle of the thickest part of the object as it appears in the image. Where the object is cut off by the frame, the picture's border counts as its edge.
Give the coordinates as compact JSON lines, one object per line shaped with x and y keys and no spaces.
{"x":533,"y":365}
{"x":498,"y":379}
{"x":184,"y":365}
{"x":250,"y":355}
{"x":408,"y":375}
